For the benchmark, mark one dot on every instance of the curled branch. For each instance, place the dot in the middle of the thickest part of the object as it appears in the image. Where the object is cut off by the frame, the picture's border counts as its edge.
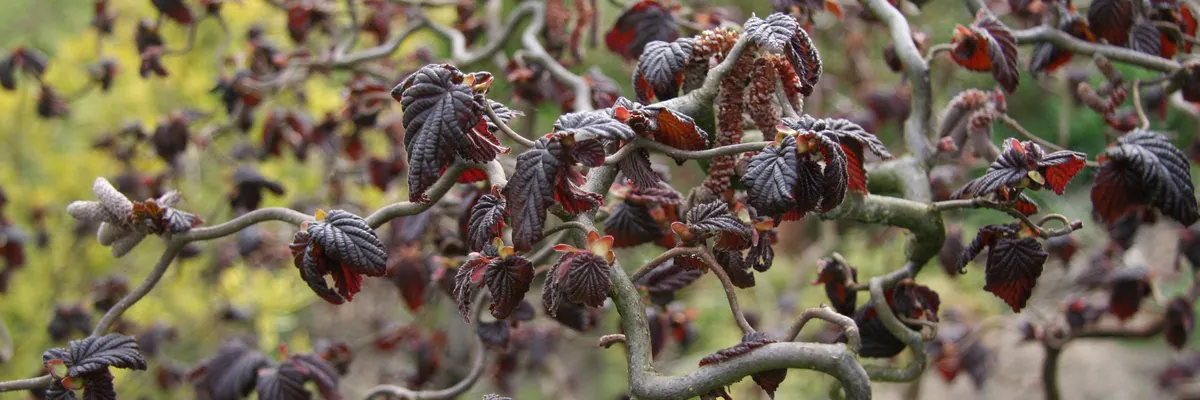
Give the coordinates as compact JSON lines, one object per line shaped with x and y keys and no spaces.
{"x":828,"y":315}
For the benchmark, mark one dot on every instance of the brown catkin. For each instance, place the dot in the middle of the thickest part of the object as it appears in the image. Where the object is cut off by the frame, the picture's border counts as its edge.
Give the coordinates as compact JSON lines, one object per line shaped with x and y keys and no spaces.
{"x":789,"y":79}
{"x":730,"y":108}
{"x":760,"y":98}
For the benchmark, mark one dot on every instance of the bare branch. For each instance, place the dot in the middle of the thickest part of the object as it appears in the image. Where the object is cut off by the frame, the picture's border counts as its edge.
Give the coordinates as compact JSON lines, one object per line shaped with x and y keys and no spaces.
{"x":435,"y":192}
{"x":607,"y":341}
{"x":917,"y":127}
{"x":730,"y":292}
{"x":164,"y":262}
{"x":495,"y":119}
{"x":642,"y":143}
{"x":662,"y":258}
{"x":460,"y":56}
{"x":26,"y":384}
{"x":829,"y":315}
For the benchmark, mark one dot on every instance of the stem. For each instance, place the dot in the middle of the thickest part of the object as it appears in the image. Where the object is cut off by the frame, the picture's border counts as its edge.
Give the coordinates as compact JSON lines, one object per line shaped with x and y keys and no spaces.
{"x":495,"y":119}
{"x":1137,"y":105}
{"x":1050,"y":372}
{"x":730,"y":294}
{"x":662,"y":258}
{"x":164,"y":262}
{"x":829,"y":315}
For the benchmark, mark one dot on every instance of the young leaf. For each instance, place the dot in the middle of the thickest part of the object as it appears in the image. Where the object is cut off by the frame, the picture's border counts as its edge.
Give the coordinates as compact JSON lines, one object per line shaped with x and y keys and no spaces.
{"x":1048,"y":57}
{"x":659,"y":72}
{"x":643,"y":22}
{"x":853,"y":140}
{"x":734,"y":265}
{"x":1145,"y":38}
{"x":714,"y":218}
{"x":175,"y":10}
{"x":774,"y":33}
{"x":287,"y":381}
{"x":487,"y":220}
{"x":1025,"y":165}
{"x":1144,"y":168}
{"x":544,"y":177}
{"x":468,"y":280}
{"x":508,"y":280}
{"x":987,"y":45}
{"x":578,"y":277}
{"x":664,"y":281}
{"x":586,"y":125}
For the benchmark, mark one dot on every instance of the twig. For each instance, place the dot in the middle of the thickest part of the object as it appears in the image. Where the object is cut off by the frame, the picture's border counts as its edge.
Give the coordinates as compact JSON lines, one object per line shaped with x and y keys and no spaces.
{"x":730,"y":294}
{"x":495,"y":119}
{"x":352,"y":11}
{"x":911,"y":338}
{"x":981,"y":202}
{"x":662,"y":258}
{"x":40,"y":382}
{"x":191,"y":40}
{"x":607,"y":341}
{"x":1012,"y":123}
{"x":458,"y":43}
{"x":1137,"y":105}
{"x":564,"y":226}
{"x":535,"y":50}
{"x":145,"y":287}
{"x":478,"y":364}
{"x":641,"y":143}
{"x":381,"y":51}
{"x":917,"y":126}
{"x":937,"y":49}
{"x":829,"y":315}
{"x":435,"y":192}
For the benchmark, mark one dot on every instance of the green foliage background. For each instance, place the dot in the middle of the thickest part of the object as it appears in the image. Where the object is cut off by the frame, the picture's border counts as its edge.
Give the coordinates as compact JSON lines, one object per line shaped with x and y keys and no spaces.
{"x":48,"y":163}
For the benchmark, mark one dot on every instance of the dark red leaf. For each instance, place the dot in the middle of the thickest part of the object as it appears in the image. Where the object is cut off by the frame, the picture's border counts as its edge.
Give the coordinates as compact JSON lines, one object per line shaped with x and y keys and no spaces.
{"x":709,"y":219}
{"x":588,"y":125}
{"x":774,"y":33}
{"x":987,"y":45}
{"x":1145,"y":38}
{"x":544,"y":177}
{"x":487,"y":220}
{"x":1111,"y":20}
{"x":734,"y":265}
{"x":175,"y":10}
{"x":1128,"y":287}
{"x":1180,"y":319}
{"x":662,"y":282}
{"x":468,"y":280}
{"x":659,"y":72}
{"x":1144,"y":168}
{"x":836,"y":276}
{"x":578,"y":277}
{"x":631,"y":224}
{"x":643,"y":22}
{"x":1013,"y":268}
{"x":1024,"y":165}
{"x":440,"y":111}
{"x":770,"y":179}
{"x":508,"y":280}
